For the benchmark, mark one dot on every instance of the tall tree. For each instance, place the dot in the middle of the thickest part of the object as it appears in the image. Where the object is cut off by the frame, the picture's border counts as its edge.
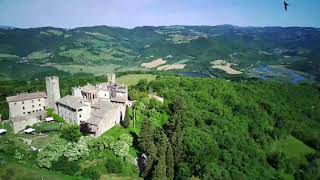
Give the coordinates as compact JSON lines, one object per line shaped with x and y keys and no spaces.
{"x":146,"y":143}
{"x":126,"y":122}
{"x":174,"y":128}
{"x":160,"y":171}
{"x":177,"y":140}
{"x":170,"y":163}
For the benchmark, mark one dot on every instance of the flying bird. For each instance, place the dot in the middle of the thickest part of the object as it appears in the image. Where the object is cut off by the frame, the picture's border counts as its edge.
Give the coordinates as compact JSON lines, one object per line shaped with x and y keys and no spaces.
{"x":285,"y":5}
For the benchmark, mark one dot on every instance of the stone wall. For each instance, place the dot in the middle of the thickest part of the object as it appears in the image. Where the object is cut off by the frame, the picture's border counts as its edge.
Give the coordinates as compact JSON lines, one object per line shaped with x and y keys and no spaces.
{"x":22,"y":108}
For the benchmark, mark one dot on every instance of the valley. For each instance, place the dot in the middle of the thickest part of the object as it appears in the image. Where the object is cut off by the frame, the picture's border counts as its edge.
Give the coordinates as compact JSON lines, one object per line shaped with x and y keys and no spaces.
{"x":96,"y":50}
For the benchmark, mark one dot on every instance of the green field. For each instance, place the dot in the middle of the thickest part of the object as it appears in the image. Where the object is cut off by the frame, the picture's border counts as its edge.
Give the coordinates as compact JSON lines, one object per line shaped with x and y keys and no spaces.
{"x":133,"y":79}
{"x":292,"y":147}
{"x":96,"y":70}
{"x":42,"y":141}
{"x":14,"y":170}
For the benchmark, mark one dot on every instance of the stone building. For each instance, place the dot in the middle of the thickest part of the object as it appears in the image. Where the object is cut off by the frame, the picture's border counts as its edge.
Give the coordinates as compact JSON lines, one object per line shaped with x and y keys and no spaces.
{"x":97,"y":108}
{"x":104,"y":116}
{"x":74,"y":109}
{"x":26,"y":108}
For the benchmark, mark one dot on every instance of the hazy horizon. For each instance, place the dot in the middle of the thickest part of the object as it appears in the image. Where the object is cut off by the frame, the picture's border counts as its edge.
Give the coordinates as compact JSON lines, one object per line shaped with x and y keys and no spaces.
{"x":136,"y":13}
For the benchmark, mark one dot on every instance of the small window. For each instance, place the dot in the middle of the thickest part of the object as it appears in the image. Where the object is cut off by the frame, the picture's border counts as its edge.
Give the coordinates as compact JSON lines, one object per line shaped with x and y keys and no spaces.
{"x":24,"y":112}
{"x":22,"y":102}
{"x":29,"y":112}
{"x":33,"y":111}
{"x":39,"y":100}
{"x":80,"y":116}
{"x":39,"y":105}
{"x":15,"y":103}
{"x":23,"y":108}
{"x":32,"y":101}
{"x":32,"y":106}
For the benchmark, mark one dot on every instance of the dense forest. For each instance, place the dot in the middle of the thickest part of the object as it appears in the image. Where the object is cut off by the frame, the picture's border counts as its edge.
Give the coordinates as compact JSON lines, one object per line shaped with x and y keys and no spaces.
{"x":206,"y":128}
{"x":231,"y":130}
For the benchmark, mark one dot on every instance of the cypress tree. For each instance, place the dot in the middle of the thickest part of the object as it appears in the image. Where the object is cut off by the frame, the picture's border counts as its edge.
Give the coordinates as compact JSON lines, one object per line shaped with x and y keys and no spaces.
{"x":170,"y":163}
{"x":176,"y":140}
{"x":126,"y":122}
{"x":146,"y":143}
{"x":160,"y":171}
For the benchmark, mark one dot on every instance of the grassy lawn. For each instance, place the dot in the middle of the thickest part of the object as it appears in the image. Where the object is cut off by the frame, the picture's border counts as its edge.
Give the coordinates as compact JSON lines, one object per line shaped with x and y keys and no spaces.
{"x":14,"y":170}
{"x":292,"y":147}
{"x":133,"y":79}
{"x":41,"y":141}
{"x":117,"y":177}
{"x":7,"y":126}
{"x":116,"y":131}
{"x":47,"y":127}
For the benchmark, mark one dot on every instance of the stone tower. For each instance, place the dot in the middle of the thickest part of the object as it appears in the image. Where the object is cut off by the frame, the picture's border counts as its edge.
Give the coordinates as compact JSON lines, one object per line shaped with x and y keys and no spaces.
{"x":53,"y":91}
{"x":76,"y":91}
{"x":111,"y":77}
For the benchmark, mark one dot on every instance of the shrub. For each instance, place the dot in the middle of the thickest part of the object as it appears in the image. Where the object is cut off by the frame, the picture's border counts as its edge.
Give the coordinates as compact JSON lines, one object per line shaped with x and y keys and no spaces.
{"x":65,"y":166}
{"x":70,"y":133}
{"x":114,"y":165}
{"x":121,"y":149}
{"x":91,"y":173}
{"x":126,"y":138}
{"x":51,"y":153}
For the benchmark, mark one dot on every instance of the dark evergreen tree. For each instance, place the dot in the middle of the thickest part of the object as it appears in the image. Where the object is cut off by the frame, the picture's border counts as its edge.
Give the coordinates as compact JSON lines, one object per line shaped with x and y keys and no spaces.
{"x":147,"y":146}
{"x":160,"y":171}
{"x":177,"y":140}
{"x":170,"y":163}
{"x":126,"y":122}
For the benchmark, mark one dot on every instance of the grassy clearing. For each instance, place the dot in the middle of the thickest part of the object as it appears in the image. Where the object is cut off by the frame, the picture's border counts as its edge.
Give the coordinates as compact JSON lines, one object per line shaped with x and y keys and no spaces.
{"x":95,"y":70}
{"x":8,"y":56}
{"x":42,"y":141}
{"x":7,"y":125}
{"x":55,"y":32}
{"x":117,"y":177}
{"x":100,"y":55}
{"x":292,"y":147}
{"x":38,"y":55}
{"x":133,"y":79}
{"x":14,"y":170}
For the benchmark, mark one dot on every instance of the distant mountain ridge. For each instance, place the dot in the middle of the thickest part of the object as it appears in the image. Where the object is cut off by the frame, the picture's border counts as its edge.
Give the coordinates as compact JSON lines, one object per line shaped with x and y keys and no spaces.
{"x":195,"y":46}
{"x":6,"y":27}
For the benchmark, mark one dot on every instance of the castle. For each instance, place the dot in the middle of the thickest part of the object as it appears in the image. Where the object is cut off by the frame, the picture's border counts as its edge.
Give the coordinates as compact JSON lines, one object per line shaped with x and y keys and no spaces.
{"x":96,"y":108}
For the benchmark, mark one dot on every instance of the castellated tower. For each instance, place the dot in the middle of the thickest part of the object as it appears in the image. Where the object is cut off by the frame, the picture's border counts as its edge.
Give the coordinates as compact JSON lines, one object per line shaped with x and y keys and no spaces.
{"x":53,"y":91}
{"x":76,"y":91}
{"x":111,"y":77}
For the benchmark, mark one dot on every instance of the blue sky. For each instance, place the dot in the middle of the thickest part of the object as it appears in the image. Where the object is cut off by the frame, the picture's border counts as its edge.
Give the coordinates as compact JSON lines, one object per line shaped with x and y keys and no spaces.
{"x":131,"y":13}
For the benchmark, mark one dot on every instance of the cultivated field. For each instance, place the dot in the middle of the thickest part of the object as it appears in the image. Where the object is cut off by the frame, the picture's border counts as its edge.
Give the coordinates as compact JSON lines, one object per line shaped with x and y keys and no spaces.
{"x":154,"y":64}
{"x":171,"y":67}
{"x":225,"y":66}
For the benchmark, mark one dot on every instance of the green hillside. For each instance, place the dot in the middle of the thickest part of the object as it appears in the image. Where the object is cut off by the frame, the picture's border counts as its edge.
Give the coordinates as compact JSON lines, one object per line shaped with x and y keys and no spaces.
{"x":207,"y":128}
{"x":120,"y":49}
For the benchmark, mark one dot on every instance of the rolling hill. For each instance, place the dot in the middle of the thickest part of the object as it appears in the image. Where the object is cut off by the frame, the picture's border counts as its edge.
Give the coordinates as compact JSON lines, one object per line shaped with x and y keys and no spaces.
{"x":46,"y":50}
